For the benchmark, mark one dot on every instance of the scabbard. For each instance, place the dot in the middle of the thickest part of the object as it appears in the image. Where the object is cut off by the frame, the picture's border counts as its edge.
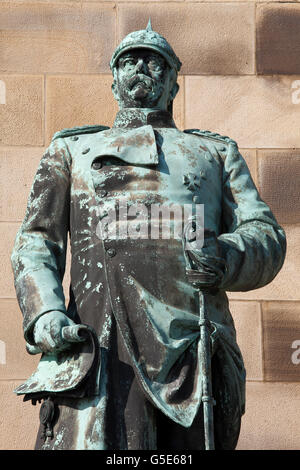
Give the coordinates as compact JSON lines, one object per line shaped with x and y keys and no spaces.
{"x":205,"y":361}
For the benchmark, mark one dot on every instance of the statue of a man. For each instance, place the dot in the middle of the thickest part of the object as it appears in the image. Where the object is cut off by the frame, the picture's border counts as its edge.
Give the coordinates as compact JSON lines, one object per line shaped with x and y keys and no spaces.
{"x":138,"y":385}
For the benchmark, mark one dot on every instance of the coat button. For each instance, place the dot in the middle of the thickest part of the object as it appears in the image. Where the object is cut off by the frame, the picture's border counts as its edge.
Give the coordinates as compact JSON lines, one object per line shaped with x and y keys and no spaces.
{"x":111,"y":252}
{"x":102,"y":193}
{"x":85,"y":151}
{"x":96,"y":165}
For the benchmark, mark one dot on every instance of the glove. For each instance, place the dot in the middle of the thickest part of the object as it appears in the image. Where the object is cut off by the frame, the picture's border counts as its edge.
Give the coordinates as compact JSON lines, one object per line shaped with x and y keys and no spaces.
{"x":205,"y":266}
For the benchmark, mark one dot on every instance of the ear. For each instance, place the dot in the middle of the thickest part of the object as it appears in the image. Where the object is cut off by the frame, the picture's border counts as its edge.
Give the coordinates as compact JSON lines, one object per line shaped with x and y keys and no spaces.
{"x":173,"y":92}
{"x":114,"y":89}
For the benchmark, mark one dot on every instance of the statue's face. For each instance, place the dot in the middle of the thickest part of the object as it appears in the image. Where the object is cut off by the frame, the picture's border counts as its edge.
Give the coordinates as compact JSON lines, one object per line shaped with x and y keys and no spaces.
{"x":142,"y":80}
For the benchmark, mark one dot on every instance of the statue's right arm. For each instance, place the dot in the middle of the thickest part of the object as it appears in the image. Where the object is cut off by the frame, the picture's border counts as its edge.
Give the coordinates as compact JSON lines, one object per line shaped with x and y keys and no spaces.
{"x":39,"y":254}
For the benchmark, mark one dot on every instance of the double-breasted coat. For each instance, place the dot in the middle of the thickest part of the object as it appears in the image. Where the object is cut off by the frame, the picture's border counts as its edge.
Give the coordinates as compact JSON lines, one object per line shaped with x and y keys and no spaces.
{"x":134,"y":292}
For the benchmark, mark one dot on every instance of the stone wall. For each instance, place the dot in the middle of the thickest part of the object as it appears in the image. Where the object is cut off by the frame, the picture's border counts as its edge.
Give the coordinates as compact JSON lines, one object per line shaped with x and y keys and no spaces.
{"x":240,"y":77}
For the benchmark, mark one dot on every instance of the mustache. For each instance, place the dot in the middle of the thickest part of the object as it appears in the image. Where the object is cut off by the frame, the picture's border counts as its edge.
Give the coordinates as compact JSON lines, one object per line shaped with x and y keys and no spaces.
{"x":140,"y":78}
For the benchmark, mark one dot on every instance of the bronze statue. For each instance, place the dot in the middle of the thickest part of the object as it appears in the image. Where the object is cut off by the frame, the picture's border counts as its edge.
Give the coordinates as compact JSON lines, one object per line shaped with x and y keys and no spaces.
{"x":122,"y":366}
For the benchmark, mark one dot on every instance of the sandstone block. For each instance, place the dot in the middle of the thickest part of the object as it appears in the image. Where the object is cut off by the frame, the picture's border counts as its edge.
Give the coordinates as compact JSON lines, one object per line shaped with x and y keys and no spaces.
{"x":278,"y":38}
{"x":56,"y":37}
{"x":202,"y":35}
{"x":247,"y":319}
{"x":257,"y":112}
{"x":21,"y":109}
{"x":279,"y":182}
{"x":281,"y":331}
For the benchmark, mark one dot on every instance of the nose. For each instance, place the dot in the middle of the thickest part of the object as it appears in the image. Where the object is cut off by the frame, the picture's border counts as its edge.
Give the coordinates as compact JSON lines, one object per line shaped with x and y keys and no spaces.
{"x":141,"y":66}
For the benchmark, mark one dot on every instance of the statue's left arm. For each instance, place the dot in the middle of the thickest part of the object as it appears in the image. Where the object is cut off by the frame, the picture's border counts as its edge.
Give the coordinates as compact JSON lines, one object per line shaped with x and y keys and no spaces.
{"x":252,"y":243}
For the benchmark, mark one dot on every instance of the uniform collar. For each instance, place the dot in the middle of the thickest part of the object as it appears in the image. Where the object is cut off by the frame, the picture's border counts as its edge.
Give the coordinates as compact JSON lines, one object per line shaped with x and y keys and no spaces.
{"x":137,"y":117}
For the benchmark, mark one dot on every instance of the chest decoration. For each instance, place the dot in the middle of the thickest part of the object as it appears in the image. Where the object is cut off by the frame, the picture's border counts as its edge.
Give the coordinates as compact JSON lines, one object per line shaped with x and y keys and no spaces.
{"x":191,"y":180}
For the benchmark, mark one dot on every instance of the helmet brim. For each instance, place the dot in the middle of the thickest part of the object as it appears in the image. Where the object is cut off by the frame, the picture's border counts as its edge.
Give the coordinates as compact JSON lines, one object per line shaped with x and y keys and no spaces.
{"x":142,"y":45}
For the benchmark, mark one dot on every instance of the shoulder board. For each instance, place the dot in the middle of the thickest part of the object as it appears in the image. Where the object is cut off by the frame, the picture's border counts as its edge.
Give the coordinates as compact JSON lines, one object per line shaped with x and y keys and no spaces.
{"x":211,"y":135}
{"x":79,"y":130}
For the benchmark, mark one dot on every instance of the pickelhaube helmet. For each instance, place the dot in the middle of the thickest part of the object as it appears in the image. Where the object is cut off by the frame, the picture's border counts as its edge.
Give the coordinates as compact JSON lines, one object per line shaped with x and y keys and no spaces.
{"x":147,"y":39}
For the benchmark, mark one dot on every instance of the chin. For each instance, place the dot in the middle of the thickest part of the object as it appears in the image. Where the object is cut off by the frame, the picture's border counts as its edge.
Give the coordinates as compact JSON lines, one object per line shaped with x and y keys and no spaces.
{"x":149,"y":101}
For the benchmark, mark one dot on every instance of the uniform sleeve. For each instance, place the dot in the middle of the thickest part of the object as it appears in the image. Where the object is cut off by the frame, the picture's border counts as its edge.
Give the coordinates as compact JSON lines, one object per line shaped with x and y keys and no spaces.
{"x":252,"y":243}
{"x":39,"y":254}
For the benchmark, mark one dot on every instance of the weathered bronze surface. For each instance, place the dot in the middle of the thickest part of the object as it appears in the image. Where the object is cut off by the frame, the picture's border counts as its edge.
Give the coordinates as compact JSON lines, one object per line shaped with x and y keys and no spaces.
{"x":136,"y":379}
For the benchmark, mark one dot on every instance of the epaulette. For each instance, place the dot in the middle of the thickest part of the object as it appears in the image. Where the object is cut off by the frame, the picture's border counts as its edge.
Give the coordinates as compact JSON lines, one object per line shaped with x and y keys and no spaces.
{"x":211,"y":135}
{"x":79,"y":130}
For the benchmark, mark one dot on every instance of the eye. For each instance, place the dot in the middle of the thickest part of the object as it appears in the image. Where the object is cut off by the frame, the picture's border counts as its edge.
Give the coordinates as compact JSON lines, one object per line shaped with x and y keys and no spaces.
{"x":129,"y":61}
{"x":155,"y":65}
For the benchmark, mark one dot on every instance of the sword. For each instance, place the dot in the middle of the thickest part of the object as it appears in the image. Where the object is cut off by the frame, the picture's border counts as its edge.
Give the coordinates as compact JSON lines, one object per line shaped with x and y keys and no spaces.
{"x":205,"y":328}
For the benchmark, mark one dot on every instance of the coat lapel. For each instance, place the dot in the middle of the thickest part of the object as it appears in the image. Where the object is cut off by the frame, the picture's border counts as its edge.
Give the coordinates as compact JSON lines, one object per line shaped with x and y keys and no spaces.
{"x":134,"y":146}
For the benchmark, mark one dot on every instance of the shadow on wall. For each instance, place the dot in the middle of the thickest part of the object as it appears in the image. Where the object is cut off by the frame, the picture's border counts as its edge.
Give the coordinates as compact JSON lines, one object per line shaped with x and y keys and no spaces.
{"x":278,"y":39}
{"x":281,"y":333}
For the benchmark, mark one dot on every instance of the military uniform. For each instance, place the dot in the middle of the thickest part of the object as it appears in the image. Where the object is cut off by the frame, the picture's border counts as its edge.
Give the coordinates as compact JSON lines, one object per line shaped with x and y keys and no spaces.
{"x":134,"y":292}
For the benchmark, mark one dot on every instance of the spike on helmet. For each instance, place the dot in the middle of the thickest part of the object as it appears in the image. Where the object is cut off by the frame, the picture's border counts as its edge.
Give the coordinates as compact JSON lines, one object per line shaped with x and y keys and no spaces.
{"x":147,"y":39}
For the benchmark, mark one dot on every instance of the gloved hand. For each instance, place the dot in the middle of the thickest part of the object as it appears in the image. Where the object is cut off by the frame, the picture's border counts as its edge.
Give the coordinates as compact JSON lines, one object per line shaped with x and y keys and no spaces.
{"x":205,"y":266}
{"x":47,"y":332}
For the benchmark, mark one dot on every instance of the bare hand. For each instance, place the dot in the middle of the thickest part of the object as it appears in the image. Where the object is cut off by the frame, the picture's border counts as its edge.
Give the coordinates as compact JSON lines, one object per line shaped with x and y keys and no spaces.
{"x":47,"y":332}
